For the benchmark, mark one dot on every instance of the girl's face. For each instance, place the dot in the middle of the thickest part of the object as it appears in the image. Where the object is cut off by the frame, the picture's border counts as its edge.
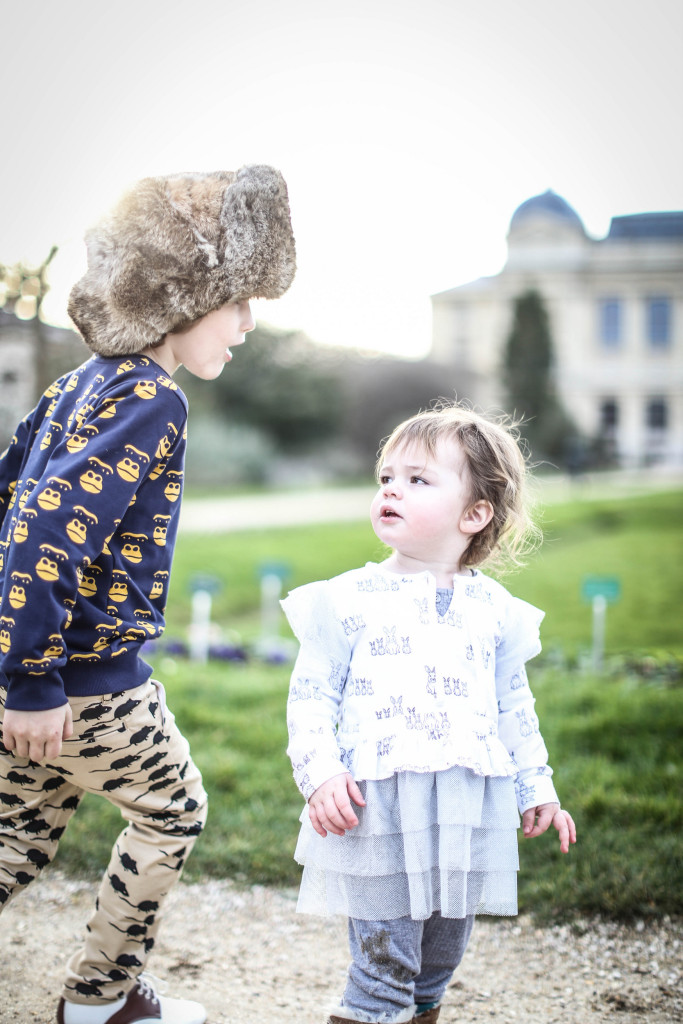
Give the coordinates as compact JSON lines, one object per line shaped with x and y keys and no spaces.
{"x":203,"y":348}
{"x":423,"y":508}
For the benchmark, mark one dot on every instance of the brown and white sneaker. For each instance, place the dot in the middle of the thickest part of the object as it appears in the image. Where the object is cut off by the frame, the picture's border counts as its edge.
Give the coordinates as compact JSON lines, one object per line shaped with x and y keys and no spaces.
{"x":143,"y":1005}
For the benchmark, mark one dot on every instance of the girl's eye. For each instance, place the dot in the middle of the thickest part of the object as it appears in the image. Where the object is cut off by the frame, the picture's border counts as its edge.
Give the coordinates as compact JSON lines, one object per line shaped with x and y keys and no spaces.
{"x":417,"y":480}
{"x":384,"y":479}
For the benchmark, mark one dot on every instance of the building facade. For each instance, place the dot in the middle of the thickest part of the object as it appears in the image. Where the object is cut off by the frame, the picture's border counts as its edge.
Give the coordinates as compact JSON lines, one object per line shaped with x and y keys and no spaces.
{"x":615,"y":306}
{"x":23,"y":363}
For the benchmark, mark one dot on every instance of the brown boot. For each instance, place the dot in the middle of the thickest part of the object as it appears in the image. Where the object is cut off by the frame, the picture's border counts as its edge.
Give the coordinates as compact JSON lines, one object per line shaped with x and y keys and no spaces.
{"x":428,"y":1017}
{"x":339,"y":1020}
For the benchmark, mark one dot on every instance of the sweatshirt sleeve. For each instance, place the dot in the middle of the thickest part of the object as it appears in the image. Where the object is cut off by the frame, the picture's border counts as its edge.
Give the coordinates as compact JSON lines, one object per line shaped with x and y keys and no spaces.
{"x":317,"y":686}
{"x":518,"y":726}
{"x":92,"y":478}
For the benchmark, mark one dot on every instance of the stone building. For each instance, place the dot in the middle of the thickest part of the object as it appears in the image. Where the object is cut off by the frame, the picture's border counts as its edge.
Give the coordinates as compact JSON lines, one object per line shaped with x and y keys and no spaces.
{"x":615,"y":306}
{"x":29,"y":360}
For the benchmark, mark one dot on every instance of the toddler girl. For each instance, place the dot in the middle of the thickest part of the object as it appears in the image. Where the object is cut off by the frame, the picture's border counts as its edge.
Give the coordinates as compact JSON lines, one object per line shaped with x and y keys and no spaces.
{"x":413,"y":735}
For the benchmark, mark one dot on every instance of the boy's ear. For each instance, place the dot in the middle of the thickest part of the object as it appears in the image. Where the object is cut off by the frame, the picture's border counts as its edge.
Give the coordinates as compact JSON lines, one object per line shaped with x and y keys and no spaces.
{"x":476,"y":517}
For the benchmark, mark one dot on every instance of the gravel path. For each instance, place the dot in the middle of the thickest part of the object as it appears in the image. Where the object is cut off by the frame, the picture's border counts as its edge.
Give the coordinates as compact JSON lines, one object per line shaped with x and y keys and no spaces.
{"x":248,"y":957}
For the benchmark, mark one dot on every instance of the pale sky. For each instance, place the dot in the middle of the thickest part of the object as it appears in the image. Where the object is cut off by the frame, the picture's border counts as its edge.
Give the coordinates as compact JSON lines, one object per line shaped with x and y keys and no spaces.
{"x":408,"y":132}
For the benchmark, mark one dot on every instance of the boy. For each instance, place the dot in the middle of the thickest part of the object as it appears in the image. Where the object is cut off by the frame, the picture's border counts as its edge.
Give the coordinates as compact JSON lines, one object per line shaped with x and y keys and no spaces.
{"x":90,"y":491}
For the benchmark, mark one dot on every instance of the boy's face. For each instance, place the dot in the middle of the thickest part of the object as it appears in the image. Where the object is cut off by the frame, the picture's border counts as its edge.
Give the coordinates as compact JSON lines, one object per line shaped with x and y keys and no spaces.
{"x":203,"y":348}
{"x":423,"y":501}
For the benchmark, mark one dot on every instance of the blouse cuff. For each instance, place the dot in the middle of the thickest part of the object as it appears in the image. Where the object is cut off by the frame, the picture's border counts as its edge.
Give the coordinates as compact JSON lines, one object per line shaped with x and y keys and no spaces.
{"x":533,"y":791}
{"x":317,"y":772}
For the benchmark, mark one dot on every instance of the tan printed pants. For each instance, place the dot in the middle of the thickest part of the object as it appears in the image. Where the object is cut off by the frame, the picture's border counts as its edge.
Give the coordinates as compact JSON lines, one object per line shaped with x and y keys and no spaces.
{"x":126,"y":747}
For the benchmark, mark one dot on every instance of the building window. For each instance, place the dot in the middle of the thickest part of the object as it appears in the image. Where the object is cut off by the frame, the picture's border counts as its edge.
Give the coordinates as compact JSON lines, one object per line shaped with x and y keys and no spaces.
{"x":657,"y":414}
{"x":610,"y":322}
{"x":656,"y":436}
{"x":609,"y":415}
{"x":658,"y":325}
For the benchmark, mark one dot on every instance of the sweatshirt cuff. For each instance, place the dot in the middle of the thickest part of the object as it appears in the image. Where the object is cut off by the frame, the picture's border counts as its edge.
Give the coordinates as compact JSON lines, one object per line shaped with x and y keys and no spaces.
{"x":35,"y":693}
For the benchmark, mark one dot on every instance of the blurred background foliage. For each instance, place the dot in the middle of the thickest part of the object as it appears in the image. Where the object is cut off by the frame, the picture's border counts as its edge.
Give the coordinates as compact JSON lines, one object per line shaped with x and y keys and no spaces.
{"x":290,"y":411}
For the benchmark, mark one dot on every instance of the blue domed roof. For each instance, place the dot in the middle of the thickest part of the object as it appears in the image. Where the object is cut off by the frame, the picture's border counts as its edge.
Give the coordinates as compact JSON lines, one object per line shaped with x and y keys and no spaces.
{"x":549,"y":205}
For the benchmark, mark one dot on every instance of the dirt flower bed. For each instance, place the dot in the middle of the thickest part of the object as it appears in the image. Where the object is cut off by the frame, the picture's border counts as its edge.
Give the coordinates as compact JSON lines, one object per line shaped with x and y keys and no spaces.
{"x":247,"y":956}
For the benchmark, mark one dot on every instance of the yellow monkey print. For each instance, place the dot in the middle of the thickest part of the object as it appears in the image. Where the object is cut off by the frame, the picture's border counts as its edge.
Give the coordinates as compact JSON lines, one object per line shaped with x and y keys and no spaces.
{"x":118,"y":591}
{"x":158,"y":584}
{"x":174,"y":485}
{"x":132,"y":548}
{"x":145,"y":389}
{"x":128,"y":467}
{"x":77,"y":528}
{"x":55,"y":646}
{"x":69,"y":603}
{"x":77,"y":442}
{"x":20,"y":528}
{"x":51,"y":434}
{"x":91,"y":480}
{"x":108,"y":408}
{"x":6,"y":626}
{"x":52,"y":391}
{"x":88,"y":583}
{"x":50,"y":497}
{"x":25,"y":494}
{"x":166,"y":443}
{"x":19,"y":582}
{"x":47,"y":566}
{"x":160,"y":529}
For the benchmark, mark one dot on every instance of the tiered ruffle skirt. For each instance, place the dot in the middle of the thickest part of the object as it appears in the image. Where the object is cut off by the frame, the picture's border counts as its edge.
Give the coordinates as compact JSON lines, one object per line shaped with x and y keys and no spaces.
{"x":425,"y":842}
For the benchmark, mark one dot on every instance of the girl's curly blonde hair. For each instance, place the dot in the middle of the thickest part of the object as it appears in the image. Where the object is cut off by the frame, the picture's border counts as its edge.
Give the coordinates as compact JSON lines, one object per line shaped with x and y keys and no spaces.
{"x":498,"y":472}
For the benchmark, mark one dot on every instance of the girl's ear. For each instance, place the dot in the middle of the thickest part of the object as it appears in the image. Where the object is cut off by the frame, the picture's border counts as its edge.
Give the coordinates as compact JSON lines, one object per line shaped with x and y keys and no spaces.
{"x":476,"y":517}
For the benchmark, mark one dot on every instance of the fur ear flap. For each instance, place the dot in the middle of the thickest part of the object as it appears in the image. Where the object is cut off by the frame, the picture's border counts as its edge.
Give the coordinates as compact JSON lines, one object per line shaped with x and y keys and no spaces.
{"x":178,"y":247}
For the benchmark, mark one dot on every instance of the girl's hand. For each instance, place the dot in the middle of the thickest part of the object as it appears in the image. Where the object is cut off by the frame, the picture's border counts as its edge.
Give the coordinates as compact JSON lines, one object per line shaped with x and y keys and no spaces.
{"x":547,"y":815}
{"x":330,"y":807}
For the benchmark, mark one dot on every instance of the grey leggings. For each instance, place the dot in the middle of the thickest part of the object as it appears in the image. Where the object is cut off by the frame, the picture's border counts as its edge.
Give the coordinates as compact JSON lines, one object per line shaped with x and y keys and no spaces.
{"x":399,"y":964}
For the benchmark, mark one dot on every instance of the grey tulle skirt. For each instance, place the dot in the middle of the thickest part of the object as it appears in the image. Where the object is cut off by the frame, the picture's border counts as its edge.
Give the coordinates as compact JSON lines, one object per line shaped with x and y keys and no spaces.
{"x":426,"y":841}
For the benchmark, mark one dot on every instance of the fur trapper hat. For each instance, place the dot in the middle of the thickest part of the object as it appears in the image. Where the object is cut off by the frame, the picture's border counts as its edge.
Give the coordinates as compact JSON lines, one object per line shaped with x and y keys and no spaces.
{"x":178,"y":247}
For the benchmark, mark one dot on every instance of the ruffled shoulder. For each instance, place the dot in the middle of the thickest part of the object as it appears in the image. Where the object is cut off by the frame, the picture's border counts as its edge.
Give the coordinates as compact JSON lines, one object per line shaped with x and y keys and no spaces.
{"x":518,"y":638}
{"x":309,"y":610}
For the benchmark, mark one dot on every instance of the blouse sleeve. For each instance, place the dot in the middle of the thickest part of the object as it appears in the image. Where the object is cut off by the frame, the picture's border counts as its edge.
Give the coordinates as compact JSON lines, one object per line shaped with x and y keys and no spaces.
{"x":518,"y":726}
{"x":316,"y":687}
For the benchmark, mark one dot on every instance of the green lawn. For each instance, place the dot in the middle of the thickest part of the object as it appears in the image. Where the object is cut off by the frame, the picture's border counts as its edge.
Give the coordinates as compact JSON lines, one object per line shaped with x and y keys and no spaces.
{"x":614,"y":740}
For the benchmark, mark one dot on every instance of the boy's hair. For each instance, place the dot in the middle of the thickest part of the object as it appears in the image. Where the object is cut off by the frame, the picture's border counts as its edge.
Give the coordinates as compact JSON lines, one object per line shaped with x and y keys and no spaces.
{"x":497,"y":472}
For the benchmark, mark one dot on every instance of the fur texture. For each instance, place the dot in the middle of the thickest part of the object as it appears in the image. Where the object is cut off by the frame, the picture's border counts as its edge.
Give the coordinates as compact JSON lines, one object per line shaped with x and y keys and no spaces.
{"x":178,"y":247}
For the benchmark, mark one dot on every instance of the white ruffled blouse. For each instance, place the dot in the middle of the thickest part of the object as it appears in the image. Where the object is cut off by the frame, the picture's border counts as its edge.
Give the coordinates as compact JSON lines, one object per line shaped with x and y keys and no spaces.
{"x":384,"y":684}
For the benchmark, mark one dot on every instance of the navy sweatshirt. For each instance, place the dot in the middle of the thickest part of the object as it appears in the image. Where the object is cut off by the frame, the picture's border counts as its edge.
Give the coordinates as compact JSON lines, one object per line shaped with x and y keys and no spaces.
{"x":90,"y":491}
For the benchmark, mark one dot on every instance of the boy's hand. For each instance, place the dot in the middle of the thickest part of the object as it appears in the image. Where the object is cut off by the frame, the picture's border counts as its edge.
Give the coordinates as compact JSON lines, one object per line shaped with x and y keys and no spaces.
{"x":549,"y":814}
{"x":330,"y":808}
{"x":37,"y":735}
